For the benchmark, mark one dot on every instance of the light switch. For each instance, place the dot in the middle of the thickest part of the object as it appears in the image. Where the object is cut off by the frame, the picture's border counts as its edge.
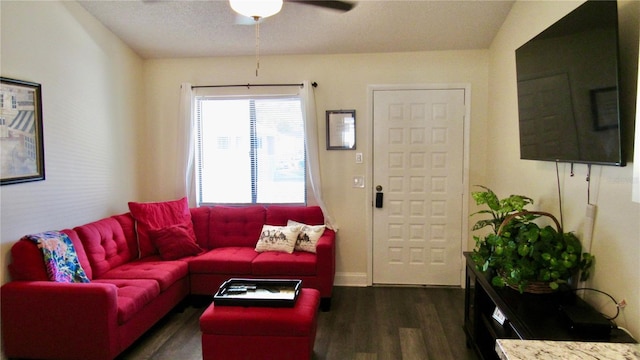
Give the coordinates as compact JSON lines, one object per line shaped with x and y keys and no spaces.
{"x":358,"y":158}
{"x":358,"y":181}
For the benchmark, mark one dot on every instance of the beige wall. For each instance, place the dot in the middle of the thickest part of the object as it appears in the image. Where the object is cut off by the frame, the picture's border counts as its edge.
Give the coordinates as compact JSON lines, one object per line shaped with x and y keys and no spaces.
{"x":91,"y":86}
{"x":616,"y":235}
{"x":343,"y":82}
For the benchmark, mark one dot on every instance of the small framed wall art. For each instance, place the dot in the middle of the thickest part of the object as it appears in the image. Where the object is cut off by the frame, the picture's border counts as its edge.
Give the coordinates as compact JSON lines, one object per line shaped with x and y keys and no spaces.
{"x":341,"y":129}
{"x":21,"y":139}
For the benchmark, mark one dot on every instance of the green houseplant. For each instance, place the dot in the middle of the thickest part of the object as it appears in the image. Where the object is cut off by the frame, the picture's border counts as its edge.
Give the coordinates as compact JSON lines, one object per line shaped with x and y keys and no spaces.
{"x":522,"y":254}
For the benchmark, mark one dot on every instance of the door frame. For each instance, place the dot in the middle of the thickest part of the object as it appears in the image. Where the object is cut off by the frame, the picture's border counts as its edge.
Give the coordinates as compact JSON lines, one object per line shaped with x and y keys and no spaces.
{"x":465,"y":166}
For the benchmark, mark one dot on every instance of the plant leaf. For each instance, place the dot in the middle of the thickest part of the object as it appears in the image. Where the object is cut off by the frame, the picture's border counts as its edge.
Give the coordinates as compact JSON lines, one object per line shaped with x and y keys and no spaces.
{"x":497,"y":281}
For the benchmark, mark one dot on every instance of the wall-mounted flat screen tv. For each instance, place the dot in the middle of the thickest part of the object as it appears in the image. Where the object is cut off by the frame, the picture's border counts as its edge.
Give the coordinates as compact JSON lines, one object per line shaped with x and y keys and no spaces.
{"x":568,"y":89}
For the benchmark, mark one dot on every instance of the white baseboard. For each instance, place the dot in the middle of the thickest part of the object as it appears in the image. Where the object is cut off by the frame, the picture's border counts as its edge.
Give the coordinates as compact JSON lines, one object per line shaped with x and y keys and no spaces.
{"x":350,"y":279}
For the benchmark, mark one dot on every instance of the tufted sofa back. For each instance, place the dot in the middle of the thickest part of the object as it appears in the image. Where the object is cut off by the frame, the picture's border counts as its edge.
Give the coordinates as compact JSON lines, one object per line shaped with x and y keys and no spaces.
{"x":279,"y":215}
{"x":128,"y":224}
{"x":100,"y":246}
{"x":105,"y":245}
{"x":229,"y":226}
{"x":223,"y":226}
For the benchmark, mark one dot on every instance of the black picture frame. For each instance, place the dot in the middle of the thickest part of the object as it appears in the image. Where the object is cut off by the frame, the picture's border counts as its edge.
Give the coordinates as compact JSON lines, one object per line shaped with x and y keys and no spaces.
{"x":341,"y":129}
{"x":21,"y":135}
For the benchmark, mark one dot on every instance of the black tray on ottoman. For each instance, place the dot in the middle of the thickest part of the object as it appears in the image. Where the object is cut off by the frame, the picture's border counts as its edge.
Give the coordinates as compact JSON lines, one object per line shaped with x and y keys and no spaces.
{"x":258,"y":292}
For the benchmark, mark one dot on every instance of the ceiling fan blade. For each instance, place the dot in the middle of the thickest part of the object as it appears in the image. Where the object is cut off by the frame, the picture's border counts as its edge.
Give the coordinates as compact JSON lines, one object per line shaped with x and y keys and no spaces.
{"x":327,"y":4}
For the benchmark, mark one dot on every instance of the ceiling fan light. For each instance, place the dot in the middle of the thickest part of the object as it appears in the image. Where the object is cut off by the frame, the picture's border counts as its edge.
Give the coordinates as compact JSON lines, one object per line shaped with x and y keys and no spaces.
{"x":256,"y":8}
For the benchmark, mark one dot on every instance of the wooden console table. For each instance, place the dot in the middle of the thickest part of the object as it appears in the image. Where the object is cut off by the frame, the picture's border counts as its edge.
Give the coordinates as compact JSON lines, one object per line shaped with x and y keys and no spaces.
{"x":528,"y":316}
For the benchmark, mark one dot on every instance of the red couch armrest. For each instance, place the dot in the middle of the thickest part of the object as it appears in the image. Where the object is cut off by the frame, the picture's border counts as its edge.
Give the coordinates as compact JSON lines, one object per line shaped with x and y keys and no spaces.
{"x":326,"y":257}
{"x":43,"y":319}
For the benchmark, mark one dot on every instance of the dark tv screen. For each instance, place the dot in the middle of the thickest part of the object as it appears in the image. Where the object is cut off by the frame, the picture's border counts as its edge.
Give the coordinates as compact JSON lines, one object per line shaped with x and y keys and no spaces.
{"x":568,"y":103}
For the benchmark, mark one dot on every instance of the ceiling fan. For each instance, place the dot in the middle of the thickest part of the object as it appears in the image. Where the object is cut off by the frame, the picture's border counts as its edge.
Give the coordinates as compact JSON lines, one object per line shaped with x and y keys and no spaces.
{"x":260,"y":9}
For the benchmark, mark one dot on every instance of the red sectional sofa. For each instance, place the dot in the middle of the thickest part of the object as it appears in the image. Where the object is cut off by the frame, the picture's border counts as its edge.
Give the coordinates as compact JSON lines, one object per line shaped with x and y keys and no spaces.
{"x":129,"y":290}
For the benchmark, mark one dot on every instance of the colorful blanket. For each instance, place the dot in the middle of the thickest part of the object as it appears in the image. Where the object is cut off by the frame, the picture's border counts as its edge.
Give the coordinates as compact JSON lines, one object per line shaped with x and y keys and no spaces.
{"x":60,"y":257}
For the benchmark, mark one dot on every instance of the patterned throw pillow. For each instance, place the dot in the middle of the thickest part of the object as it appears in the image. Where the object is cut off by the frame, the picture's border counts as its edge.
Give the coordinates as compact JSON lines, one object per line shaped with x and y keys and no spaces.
{"x":308,"y":237}
{"x":278,"y":238}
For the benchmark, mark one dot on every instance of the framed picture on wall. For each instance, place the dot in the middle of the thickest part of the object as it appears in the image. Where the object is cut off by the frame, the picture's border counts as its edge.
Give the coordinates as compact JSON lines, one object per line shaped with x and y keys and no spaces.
{"x":21,"y":139}
{"x":341,"y":129}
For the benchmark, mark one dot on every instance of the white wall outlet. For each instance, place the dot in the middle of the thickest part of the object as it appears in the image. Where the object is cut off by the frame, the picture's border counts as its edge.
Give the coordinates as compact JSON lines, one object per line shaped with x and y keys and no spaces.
{"x":358,"y":181}
{"x":358,"y":158}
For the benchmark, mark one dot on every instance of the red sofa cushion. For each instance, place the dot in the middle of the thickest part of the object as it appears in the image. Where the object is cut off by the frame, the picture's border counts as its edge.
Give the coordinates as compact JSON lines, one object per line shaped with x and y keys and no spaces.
{"x":166,"y":273}
{"x":133,"y":295}
{"x":158,"y":215}
{"x":175,"y":242}
{"x":227,"y":260}
{"x":105,"y":245}
{"x":231,"y":226}
{"x":273,"y":263}
{"x":279,"y":215}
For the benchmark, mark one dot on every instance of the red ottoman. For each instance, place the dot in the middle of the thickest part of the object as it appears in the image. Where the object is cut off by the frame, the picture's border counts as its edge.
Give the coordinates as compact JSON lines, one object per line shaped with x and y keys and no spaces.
{"x":238,"y":332}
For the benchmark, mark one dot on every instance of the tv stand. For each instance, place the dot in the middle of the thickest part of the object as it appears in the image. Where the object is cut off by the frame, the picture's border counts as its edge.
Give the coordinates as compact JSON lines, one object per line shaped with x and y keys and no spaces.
{"x":524,"y":316}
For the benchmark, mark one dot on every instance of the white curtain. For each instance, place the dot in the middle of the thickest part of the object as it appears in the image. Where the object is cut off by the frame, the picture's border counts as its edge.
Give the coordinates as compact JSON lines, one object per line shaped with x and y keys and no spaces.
{"x":311,"y":143}
{"x":185,"y":185}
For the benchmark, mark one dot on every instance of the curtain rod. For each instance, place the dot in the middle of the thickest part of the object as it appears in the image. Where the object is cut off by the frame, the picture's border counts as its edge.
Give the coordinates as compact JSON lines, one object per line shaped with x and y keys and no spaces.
{"x":314,"y":84}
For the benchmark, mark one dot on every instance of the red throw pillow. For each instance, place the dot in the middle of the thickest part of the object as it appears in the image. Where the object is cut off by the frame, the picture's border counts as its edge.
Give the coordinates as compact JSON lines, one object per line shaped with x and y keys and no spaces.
{"x":157,"y":215}
{"x":175,"y":242}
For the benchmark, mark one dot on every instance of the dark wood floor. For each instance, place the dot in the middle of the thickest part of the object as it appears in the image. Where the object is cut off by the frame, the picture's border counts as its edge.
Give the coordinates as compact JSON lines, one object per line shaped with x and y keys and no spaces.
{"x":364,"y":323}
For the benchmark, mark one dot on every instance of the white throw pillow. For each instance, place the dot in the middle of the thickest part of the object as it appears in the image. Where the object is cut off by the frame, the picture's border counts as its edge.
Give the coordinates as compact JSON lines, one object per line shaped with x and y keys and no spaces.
{"x":278,"y":238}
{"x":308,"y":236}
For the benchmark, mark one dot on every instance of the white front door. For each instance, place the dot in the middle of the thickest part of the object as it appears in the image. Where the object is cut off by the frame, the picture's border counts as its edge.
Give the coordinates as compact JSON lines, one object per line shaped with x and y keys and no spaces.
{"x":418,"y":152}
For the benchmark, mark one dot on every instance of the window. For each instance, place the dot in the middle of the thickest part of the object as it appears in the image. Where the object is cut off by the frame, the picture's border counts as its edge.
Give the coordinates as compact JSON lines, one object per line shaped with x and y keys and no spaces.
{"x":250,"y":150}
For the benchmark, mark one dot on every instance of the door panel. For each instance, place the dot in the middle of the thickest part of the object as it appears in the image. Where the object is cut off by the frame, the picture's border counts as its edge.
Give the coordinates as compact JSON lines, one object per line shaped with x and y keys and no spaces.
{"x":418,"y":162}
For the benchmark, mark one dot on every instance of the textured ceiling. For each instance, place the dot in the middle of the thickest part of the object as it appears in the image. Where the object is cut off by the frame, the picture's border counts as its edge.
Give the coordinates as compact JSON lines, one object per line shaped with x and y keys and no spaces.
{"x":175,"y":29}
